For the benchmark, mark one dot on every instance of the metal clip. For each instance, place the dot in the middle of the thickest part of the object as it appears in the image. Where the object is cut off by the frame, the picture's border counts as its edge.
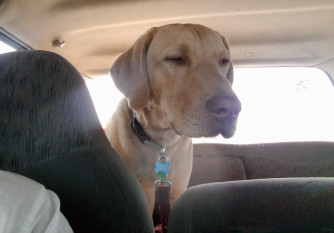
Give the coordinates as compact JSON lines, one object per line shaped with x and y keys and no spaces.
{"x":163,"y":181}
{"x":163,"y":157}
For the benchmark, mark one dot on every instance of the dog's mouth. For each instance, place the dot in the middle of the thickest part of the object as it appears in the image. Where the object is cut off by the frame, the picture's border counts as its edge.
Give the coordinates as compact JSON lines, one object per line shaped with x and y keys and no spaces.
{"x":225,"y":128}
{"x":209,"y":127}
{"x":228,"y":129}
{"x":227,"y":134}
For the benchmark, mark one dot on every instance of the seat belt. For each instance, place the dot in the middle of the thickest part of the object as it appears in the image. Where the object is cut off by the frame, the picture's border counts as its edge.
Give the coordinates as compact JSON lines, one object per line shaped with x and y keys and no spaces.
{"x":162,"y":196}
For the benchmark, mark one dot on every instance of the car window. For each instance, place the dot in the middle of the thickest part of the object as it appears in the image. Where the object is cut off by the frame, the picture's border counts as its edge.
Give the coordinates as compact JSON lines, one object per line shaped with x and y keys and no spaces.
{"x":105,"y":97}
{"x":5,"y":48}
{"x":278,"y":104}
{"x":283,"y":104}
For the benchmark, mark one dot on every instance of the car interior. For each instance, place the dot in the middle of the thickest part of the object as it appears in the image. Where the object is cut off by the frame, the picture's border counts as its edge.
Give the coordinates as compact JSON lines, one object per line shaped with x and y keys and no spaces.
{"x":50,"y":130}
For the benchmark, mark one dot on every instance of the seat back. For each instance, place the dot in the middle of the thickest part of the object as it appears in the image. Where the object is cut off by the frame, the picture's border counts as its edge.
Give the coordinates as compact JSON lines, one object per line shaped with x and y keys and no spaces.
{"x":267,"y":205}
{"x":49,"y":132}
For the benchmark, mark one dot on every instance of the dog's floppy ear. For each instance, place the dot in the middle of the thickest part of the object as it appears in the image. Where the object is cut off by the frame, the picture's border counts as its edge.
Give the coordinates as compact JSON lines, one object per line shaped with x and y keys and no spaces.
{"x":129,"y":72}
{"x":230,"y":73}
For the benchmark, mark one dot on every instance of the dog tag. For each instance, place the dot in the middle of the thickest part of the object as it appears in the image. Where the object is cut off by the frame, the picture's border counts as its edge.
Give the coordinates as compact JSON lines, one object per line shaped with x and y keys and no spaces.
{"x":162,"y":175}
{"x":162,"y":169}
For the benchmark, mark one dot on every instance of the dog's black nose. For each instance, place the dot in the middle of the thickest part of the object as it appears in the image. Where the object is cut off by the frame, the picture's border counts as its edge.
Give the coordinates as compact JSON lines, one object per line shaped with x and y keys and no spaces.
{"x":223,"y":107}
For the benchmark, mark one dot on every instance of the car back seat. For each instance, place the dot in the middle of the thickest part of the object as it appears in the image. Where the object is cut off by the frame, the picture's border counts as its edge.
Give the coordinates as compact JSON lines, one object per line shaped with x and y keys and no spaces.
{"x":227,"y":162}
{"x":251,"y":199}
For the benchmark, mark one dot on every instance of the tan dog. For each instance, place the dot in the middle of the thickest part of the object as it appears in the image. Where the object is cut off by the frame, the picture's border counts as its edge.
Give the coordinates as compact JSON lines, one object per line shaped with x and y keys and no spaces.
{"x":177,"y":79}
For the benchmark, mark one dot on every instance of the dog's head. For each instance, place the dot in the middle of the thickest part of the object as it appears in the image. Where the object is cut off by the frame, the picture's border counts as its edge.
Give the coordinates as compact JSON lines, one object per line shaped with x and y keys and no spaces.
{"x":185,"y":70}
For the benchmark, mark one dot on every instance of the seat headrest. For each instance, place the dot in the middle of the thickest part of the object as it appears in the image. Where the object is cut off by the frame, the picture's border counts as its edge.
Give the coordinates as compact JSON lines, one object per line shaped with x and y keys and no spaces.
{"x":46,"y":109}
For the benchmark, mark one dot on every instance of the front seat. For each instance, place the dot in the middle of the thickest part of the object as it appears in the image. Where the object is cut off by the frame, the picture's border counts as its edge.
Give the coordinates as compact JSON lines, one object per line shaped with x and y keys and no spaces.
{"x":258,"y":206}
{"x":49,"y":132}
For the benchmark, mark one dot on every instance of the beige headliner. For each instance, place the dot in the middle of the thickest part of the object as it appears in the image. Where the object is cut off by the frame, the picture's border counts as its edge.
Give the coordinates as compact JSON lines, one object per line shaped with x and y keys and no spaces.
{"x":260,"y":32}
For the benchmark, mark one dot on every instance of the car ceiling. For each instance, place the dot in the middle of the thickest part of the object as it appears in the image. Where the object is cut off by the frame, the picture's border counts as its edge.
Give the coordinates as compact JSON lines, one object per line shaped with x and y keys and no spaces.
{"x":260,"y":33}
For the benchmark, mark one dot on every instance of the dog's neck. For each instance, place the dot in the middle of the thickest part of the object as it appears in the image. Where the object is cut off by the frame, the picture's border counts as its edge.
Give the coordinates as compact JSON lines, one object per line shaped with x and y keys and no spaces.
{"x":156,"y":125}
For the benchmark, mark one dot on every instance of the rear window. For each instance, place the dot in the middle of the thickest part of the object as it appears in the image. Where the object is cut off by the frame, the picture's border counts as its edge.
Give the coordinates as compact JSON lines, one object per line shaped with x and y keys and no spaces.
{"x":5,"y":48}
{"x":278,"y":105}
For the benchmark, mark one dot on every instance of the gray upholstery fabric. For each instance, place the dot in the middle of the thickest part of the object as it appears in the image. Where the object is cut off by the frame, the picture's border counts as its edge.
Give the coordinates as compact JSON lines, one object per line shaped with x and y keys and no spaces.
{"x":209,"y":168}
{"x":223,"y":162}
{"x":268,"y":205}
{"x":49,"y":131}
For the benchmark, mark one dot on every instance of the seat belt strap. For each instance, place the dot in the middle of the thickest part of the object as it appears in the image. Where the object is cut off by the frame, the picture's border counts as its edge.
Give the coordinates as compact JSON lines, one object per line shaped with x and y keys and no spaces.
{"x":162,"y":196}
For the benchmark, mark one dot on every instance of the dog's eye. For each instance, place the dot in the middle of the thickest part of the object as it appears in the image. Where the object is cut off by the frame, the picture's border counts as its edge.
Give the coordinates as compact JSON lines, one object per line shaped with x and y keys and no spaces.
{"x":176,"y":60}
{"x":224,"y":61}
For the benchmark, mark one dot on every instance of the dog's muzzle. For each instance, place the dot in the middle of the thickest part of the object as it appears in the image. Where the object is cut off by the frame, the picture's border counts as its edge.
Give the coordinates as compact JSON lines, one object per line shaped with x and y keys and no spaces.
{"x":225,"y":109}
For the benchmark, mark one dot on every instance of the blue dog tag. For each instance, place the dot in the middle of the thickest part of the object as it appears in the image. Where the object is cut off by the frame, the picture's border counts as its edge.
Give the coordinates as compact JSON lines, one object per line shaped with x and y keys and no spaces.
{"x":162,"y":169}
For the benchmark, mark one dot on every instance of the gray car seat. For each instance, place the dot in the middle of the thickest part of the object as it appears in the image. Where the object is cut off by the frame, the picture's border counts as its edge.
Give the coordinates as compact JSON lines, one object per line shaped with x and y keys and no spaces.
{"x":49,"y":132}
{"x":264,"y":205}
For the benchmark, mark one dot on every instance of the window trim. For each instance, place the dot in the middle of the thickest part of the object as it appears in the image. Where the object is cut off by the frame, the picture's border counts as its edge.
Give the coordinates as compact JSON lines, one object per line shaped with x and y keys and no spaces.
{"x":13,"y":41}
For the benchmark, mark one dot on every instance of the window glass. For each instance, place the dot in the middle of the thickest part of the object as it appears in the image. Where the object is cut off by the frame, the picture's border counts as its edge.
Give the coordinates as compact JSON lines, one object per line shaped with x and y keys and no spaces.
{"x":5,"y":48}
{"x":282,"y":104}
{"x":278,"y":104}
{"x":105,"y":97}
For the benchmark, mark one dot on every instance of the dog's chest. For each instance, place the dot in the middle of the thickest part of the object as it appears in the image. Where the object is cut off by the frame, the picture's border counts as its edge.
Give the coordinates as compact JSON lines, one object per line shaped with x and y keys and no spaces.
{"x":143,"y":162}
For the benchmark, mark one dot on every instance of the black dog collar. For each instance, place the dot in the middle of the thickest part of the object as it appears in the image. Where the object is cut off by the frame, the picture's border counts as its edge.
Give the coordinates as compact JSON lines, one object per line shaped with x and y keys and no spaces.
{"x":141,"y":135}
